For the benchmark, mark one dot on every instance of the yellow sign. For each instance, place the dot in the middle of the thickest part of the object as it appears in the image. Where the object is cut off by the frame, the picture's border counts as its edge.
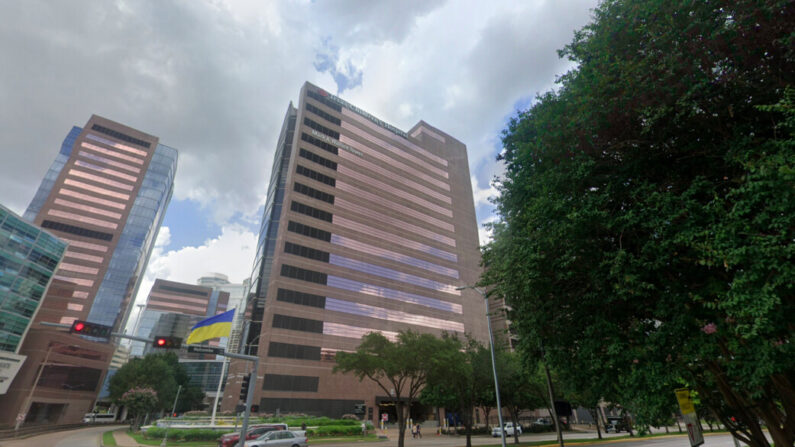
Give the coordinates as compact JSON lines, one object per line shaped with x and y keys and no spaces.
{"x":685,"y":402}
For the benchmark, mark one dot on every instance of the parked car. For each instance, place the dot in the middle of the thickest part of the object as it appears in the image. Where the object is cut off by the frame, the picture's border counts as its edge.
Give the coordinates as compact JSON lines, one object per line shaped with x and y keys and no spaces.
{"x":230,"y":439}
{"x":509,"y":429}
{"x":542,"y":423}
{"x":616,"y":424}
{"x":284,"y":438}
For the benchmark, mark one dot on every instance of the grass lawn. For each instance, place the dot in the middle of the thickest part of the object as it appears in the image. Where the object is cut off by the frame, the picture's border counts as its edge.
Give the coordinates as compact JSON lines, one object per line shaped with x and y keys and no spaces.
{"x":108,"y":440}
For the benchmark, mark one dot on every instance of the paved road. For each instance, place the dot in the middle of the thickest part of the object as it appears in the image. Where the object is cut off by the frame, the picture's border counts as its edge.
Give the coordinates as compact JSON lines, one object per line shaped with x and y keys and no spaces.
{"x":83,"y":437}
{"x":711,"y":440}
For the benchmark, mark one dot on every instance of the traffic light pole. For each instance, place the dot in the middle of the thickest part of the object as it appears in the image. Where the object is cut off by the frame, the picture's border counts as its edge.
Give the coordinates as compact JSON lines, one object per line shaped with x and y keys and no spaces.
{"x":250,"y":358}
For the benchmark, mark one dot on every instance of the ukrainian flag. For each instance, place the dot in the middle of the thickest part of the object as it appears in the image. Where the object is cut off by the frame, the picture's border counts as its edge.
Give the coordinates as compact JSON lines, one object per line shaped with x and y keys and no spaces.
{"x":213,"y":327}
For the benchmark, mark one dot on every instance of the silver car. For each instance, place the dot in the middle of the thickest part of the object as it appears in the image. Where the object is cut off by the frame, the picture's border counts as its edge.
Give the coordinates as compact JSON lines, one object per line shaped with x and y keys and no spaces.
{"x":279,"y":438}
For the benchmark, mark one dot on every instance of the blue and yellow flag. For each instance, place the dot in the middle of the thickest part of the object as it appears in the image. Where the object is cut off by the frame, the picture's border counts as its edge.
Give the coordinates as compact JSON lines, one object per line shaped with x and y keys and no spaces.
{"x":213,"y":327}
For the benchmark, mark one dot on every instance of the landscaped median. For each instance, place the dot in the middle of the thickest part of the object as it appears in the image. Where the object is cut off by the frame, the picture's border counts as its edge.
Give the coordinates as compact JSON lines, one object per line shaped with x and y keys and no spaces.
{"x":318,"y":430}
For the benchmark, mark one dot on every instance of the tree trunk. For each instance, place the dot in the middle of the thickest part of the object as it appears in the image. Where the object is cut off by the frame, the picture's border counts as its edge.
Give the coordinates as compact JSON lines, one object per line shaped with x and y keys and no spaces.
{"x":595,"y":414}
{"x":468,"y":425}
{"x":401,"y":423}
{"x":486,"y":411}
{"x":514,"y":419}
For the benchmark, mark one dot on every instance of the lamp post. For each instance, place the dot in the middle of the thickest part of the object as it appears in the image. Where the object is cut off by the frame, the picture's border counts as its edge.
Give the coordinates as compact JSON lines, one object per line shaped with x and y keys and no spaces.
{"x":493,"y":361}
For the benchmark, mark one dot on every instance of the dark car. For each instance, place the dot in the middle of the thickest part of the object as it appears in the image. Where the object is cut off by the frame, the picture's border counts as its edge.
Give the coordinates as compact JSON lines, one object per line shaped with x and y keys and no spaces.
{"x":616,"y":424}
{"x":230,"y":439}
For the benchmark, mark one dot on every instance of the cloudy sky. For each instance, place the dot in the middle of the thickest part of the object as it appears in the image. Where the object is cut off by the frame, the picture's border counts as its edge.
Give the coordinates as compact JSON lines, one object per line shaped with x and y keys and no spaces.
{"x":214,"y":78}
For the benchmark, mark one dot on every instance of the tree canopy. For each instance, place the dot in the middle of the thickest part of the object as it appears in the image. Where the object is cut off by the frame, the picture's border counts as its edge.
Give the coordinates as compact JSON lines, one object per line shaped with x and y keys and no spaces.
{"x":162,"y":373}
{"x":646,"y":237}
{"x":400,"y":368}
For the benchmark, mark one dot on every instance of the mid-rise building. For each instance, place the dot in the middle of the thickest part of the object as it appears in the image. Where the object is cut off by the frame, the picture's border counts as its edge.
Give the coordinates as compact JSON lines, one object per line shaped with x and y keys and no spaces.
{"x":366,"y":228}
{"x":29,"y":257}
{"x":105,"y":194}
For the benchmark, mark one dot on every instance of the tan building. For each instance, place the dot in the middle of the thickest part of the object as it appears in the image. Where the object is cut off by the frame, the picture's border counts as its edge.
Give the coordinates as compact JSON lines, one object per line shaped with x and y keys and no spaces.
{"x":366,"y":228}
{"x":105,"y":194}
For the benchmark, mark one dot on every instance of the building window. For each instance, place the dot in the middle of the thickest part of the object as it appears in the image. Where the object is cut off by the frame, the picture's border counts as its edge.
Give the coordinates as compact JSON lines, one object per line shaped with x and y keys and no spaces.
{"x":71,"y":229}
{"x":278,"y":382}
{"x":314,"y":175}
{"x":297,"y":324}
{"x":306,"y":230}
{"x":120,"y":136}
{"x":311,"y":156}
{"x":322,"y":129}
{"x":313,"y":193}
{"x":290,"y":271}
{"x":306,"y":252}
{"x":291,"y":351}
{"x":321,"y":144}
{"x":321,"y":113}
{"x":304,"y":299}
{"x":310,"y":211}
{"x":325,"y":101}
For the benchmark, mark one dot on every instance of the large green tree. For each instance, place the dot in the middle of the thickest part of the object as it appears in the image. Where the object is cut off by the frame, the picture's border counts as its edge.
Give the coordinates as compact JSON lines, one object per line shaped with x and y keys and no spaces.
{"x":162,"y":373}
{"x":460,"y":379}
{"x":400,"y":368}
{"x":648,"y":211}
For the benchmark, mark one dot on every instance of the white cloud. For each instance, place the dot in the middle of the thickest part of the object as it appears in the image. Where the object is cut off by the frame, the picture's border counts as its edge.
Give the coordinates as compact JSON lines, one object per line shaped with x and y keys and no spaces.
{"x":484,"y":233}
{"x":483,"y":196}
{"x":231,"y":253}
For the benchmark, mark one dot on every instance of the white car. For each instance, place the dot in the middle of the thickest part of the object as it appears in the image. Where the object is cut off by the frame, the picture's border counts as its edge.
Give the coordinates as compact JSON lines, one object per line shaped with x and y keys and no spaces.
{"x":279,"y":438}
{"x":497,"y":431}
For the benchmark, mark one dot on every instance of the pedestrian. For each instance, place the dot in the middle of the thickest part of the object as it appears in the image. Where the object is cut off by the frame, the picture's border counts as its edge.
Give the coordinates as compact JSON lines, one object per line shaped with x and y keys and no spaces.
{"x":364,"y":429}
{"x":413,"y":432}
{"x":419,"y":433}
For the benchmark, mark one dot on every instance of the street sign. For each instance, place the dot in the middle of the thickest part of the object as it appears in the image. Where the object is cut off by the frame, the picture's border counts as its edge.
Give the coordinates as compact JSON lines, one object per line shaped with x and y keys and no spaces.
{"x":694,"y":433}
{"x":196,"y":349}
{"x":9,"y":367}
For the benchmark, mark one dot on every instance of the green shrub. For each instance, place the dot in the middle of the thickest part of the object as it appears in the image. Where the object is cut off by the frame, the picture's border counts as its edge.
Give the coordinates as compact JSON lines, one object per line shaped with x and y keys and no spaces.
{"x":192,"y":434}
{"x":335,"y":430}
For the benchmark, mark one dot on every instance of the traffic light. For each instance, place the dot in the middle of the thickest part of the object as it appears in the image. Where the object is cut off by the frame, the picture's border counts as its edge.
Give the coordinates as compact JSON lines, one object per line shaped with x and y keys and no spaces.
{"x":91,"y":329}
{"x":244,"y":386}
{"x":161,"y":342}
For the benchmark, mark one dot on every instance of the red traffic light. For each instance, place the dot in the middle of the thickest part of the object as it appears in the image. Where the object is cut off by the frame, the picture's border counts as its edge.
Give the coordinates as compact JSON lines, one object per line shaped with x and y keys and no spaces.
{"x":91,"y":329}
{"x":167,"y":342}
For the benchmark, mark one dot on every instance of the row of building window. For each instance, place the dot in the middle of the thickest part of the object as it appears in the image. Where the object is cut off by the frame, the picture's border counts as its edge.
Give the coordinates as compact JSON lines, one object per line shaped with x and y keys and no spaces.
{"x":322,"y":129}
{"x":290,"y":271}
{"x":297,"y":324}
{"x":120,"y":136}
{"x":321,"y":144}
{"x":323,"y":100}
{"x":301,"y":298}
{"x":321,"y":113}
{"x":78,"y":231}
{"x":306,"y":230}
{"x":314,"y":175}
{"x":306,"y":252}
{"x":279,"y":382}
{"x":311,"y":156}
{"x":313,"y":193}
{"x":310,"y":211}
{"x":182,"y":290}
{"x":291,"y":351}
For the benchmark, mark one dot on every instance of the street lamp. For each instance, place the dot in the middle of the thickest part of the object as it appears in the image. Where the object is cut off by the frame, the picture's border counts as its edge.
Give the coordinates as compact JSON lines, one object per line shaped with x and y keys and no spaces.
{"x":493,"y":362}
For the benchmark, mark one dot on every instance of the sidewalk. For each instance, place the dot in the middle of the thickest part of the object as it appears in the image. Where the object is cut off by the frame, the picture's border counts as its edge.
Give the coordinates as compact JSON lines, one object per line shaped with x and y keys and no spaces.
{"x":123,"y":439}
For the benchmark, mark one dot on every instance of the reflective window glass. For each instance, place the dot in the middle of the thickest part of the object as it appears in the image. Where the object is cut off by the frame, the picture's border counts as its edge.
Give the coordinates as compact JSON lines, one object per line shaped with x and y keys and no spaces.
{"x":359,"y":193}
{"x":384,"y":292}
{"x":381,"y":217}
{"x":92,"y":199}
{"x":96,"y":189}
{"x":112,"y":153}
{"x":90,"y":209}
{"x":384,"y":272}
{"x":104,"y":170}
{"x":387,"y":236}
{"x":83,"y":219}
{"x":98,"y":179}
{"x":109,"y":162}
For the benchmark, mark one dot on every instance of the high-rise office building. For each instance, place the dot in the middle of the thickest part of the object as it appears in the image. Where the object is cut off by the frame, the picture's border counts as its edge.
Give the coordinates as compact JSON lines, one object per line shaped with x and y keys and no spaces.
{"x":105,"y":194}
{"x":173,"y":308}
{"x":366,"y":228}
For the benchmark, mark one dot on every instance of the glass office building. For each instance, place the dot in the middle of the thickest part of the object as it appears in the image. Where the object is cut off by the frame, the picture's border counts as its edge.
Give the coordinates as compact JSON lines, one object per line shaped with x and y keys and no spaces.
{"x":29,"y":257}
{"x":366,"y":228}
{"x":105,"y":194}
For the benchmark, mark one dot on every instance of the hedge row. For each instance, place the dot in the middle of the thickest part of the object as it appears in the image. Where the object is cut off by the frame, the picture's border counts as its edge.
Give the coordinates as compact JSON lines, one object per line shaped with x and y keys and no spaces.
{"x":191,"y":434}
{"x":335,"y":430}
